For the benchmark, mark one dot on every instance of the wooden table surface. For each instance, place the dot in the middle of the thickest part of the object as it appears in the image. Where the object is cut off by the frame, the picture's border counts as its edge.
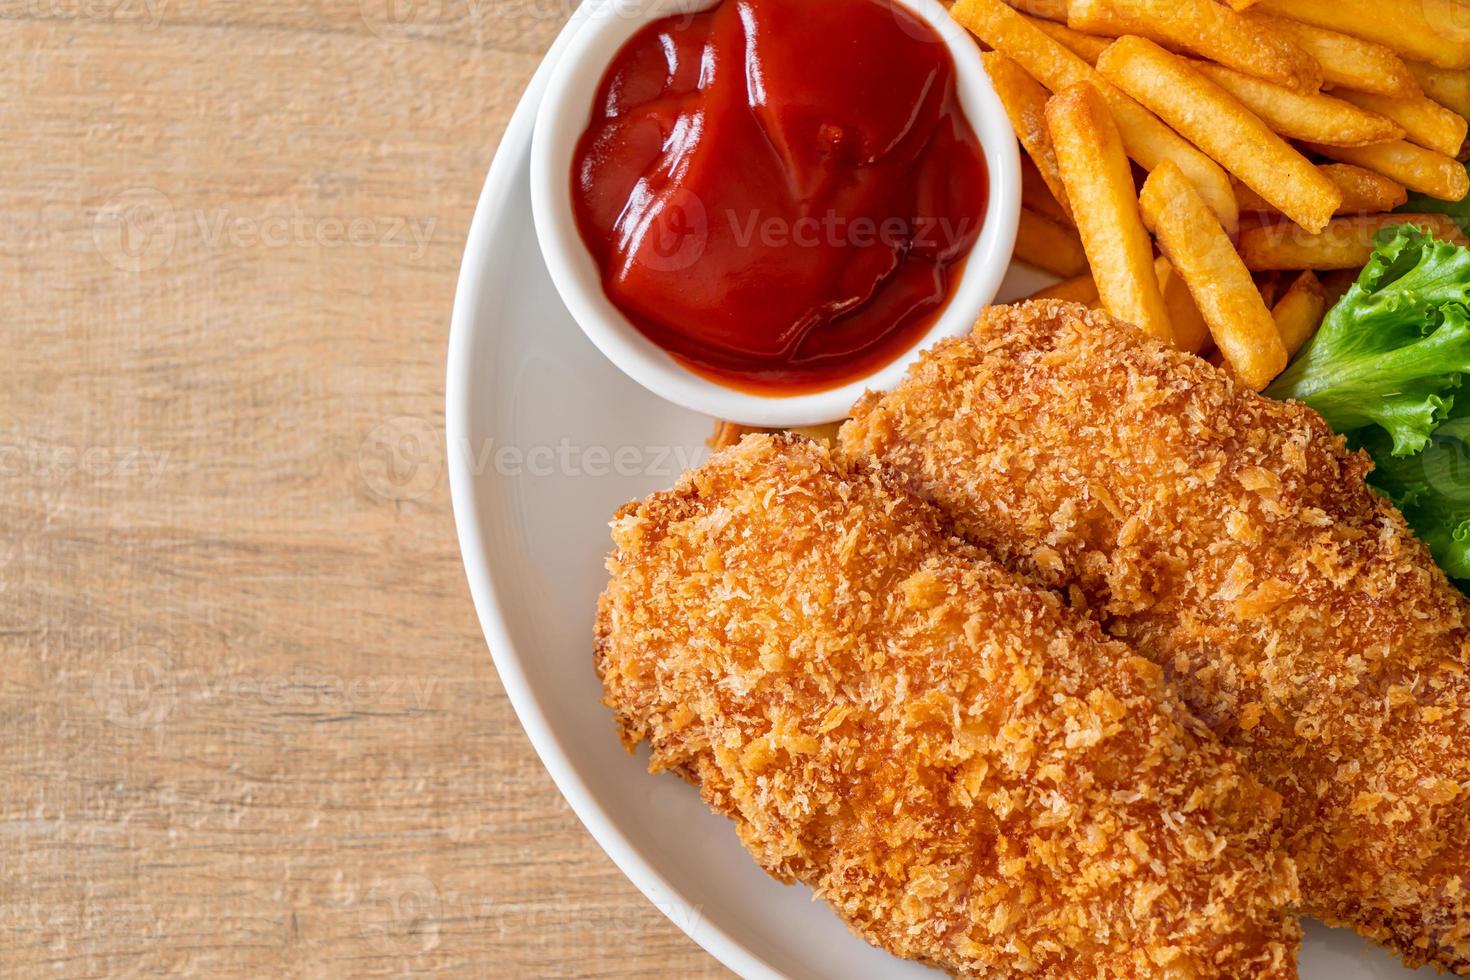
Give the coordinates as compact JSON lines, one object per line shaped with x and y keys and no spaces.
{"x":250,"y":727}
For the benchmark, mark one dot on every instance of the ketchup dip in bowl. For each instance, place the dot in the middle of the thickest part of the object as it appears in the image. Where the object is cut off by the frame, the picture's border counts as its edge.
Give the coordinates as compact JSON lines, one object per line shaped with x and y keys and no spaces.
{"x":758,"y":209}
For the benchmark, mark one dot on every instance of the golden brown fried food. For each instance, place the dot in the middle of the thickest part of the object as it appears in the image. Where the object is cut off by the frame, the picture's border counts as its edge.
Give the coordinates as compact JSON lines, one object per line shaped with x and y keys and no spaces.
{"x":969,"y":773}
{"x":1231,"y":539}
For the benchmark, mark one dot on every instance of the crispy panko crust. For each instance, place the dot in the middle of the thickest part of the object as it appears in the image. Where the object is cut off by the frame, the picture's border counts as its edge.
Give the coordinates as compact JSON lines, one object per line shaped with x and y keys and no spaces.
{"x":1231,"y":539}
{"x":971,"y":774}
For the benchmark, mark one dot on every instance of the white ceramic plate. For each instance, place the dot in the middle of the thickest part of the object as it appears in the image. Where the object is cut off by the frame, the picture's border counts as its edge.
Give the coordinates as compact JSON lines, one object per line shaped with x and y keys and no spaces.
{"x":545,"y":439}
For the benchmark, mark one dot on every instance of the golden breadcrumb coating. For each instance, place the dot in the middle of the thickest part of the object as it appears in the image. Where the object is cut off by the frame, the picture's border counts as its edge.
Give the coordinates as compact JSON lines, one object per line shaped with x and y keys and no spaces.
{"x":971,"y":774}
{"x":1231,"y":539}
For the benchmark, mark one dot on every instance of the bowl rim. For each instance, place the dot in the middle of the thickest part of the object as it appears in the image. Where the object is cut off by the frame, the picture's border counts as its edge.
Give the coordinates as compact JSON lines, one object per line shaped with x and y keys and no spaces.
{"x":563,"y":115}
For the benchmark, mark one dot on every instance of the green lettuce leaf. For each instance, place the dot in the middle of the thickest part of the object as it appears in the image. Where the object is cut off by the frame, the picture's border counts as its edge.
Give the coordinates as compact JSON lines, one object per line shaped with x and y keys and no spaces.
{"x":1391,"y":353}
{"x":1432,"y":488}
{"x":1459,"y":211}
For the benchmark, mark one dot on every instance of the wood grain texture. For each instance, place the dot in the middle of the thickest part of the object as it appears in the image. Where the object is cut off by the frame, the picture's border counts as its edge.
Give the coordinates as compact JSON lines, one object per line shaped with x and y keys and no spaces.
{"x":248,"y":726}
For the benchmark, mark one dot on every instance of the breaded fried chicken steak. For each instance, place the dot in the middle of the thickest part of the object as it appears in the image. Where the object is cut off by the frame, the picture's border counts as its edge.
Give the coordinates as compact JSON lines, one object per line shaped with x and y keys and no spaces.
{"x":969,"y":773}
{"x":1231,"y":539}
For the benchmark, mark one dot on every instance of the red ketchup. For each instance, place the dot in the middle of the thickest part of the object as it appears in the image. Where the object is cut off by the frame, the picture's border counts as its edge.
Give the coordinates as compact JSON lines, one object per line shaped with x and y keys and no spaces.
{"x":781,"y":193}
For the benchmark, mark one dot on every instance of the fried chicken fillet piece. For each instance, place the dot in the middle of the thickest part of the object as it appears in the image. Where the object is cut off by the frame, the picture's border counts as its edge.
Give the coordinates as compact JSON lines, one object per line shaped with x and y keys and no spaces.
{"x":972,"y":775}
{"x":1231,"y":539}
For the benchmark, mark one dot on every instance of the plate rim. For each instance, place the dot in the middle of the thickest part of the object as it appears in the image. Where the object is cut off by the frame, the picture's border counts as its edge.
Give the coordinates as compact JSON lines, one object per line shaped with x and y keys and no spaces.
{"x":485,"y":594}
{"x":459,"y":381}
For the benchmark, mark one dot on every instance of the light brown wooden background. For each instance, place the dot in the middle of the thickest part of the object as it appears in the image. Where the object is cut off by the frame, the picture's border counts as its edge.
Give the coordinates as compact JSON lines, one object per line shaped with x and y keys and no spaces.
{"x":248,"y":725}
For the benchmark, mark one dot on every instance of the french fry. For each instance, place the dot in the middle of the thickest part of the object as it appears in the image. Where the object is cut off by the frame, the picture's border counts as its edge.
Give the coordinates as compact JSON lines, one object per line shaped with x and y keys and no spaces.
{"x":1047,"y":9}
{"x":1413,"y":166}
{"x":1036,"y":195}
{"x":1206,"y":28}
{"x":1024,"y":101}
{"x":1299,"y":313}
{"x":1085,"y":46}
{"x":1049,"y":246}
{"x":824,"y":432}
{"x":1191,"y":333}
{"x":1231,"y":134}
{"x":1363,"y":191}
{"x":1448,"y":87}
{"x":1346,"y":243}
{"x":1304,"y":115}
{"x":727,"y":434}
{"x":1146,"y":139}
{"x":1347,"y":61}
{"x":1424,"y":121}
{"x":1436,"y":31}
{"x":1105,"y":206}
{"x":1198,"y":247}
{"x":1078,"y":289}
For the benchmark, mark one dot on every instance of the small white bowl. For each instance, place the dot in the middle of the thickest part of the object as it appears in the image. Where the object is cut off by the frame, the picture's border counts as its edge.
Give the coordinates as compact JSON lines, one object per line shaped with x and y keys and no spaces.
{"x":565,"y":114}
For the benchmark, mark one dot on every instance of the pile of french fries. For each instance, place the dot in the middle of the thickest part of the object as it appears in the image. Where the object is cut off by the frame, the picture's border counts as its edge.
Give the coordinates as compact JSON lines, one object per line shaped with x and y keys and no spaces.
{"x":1272,"y":138}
